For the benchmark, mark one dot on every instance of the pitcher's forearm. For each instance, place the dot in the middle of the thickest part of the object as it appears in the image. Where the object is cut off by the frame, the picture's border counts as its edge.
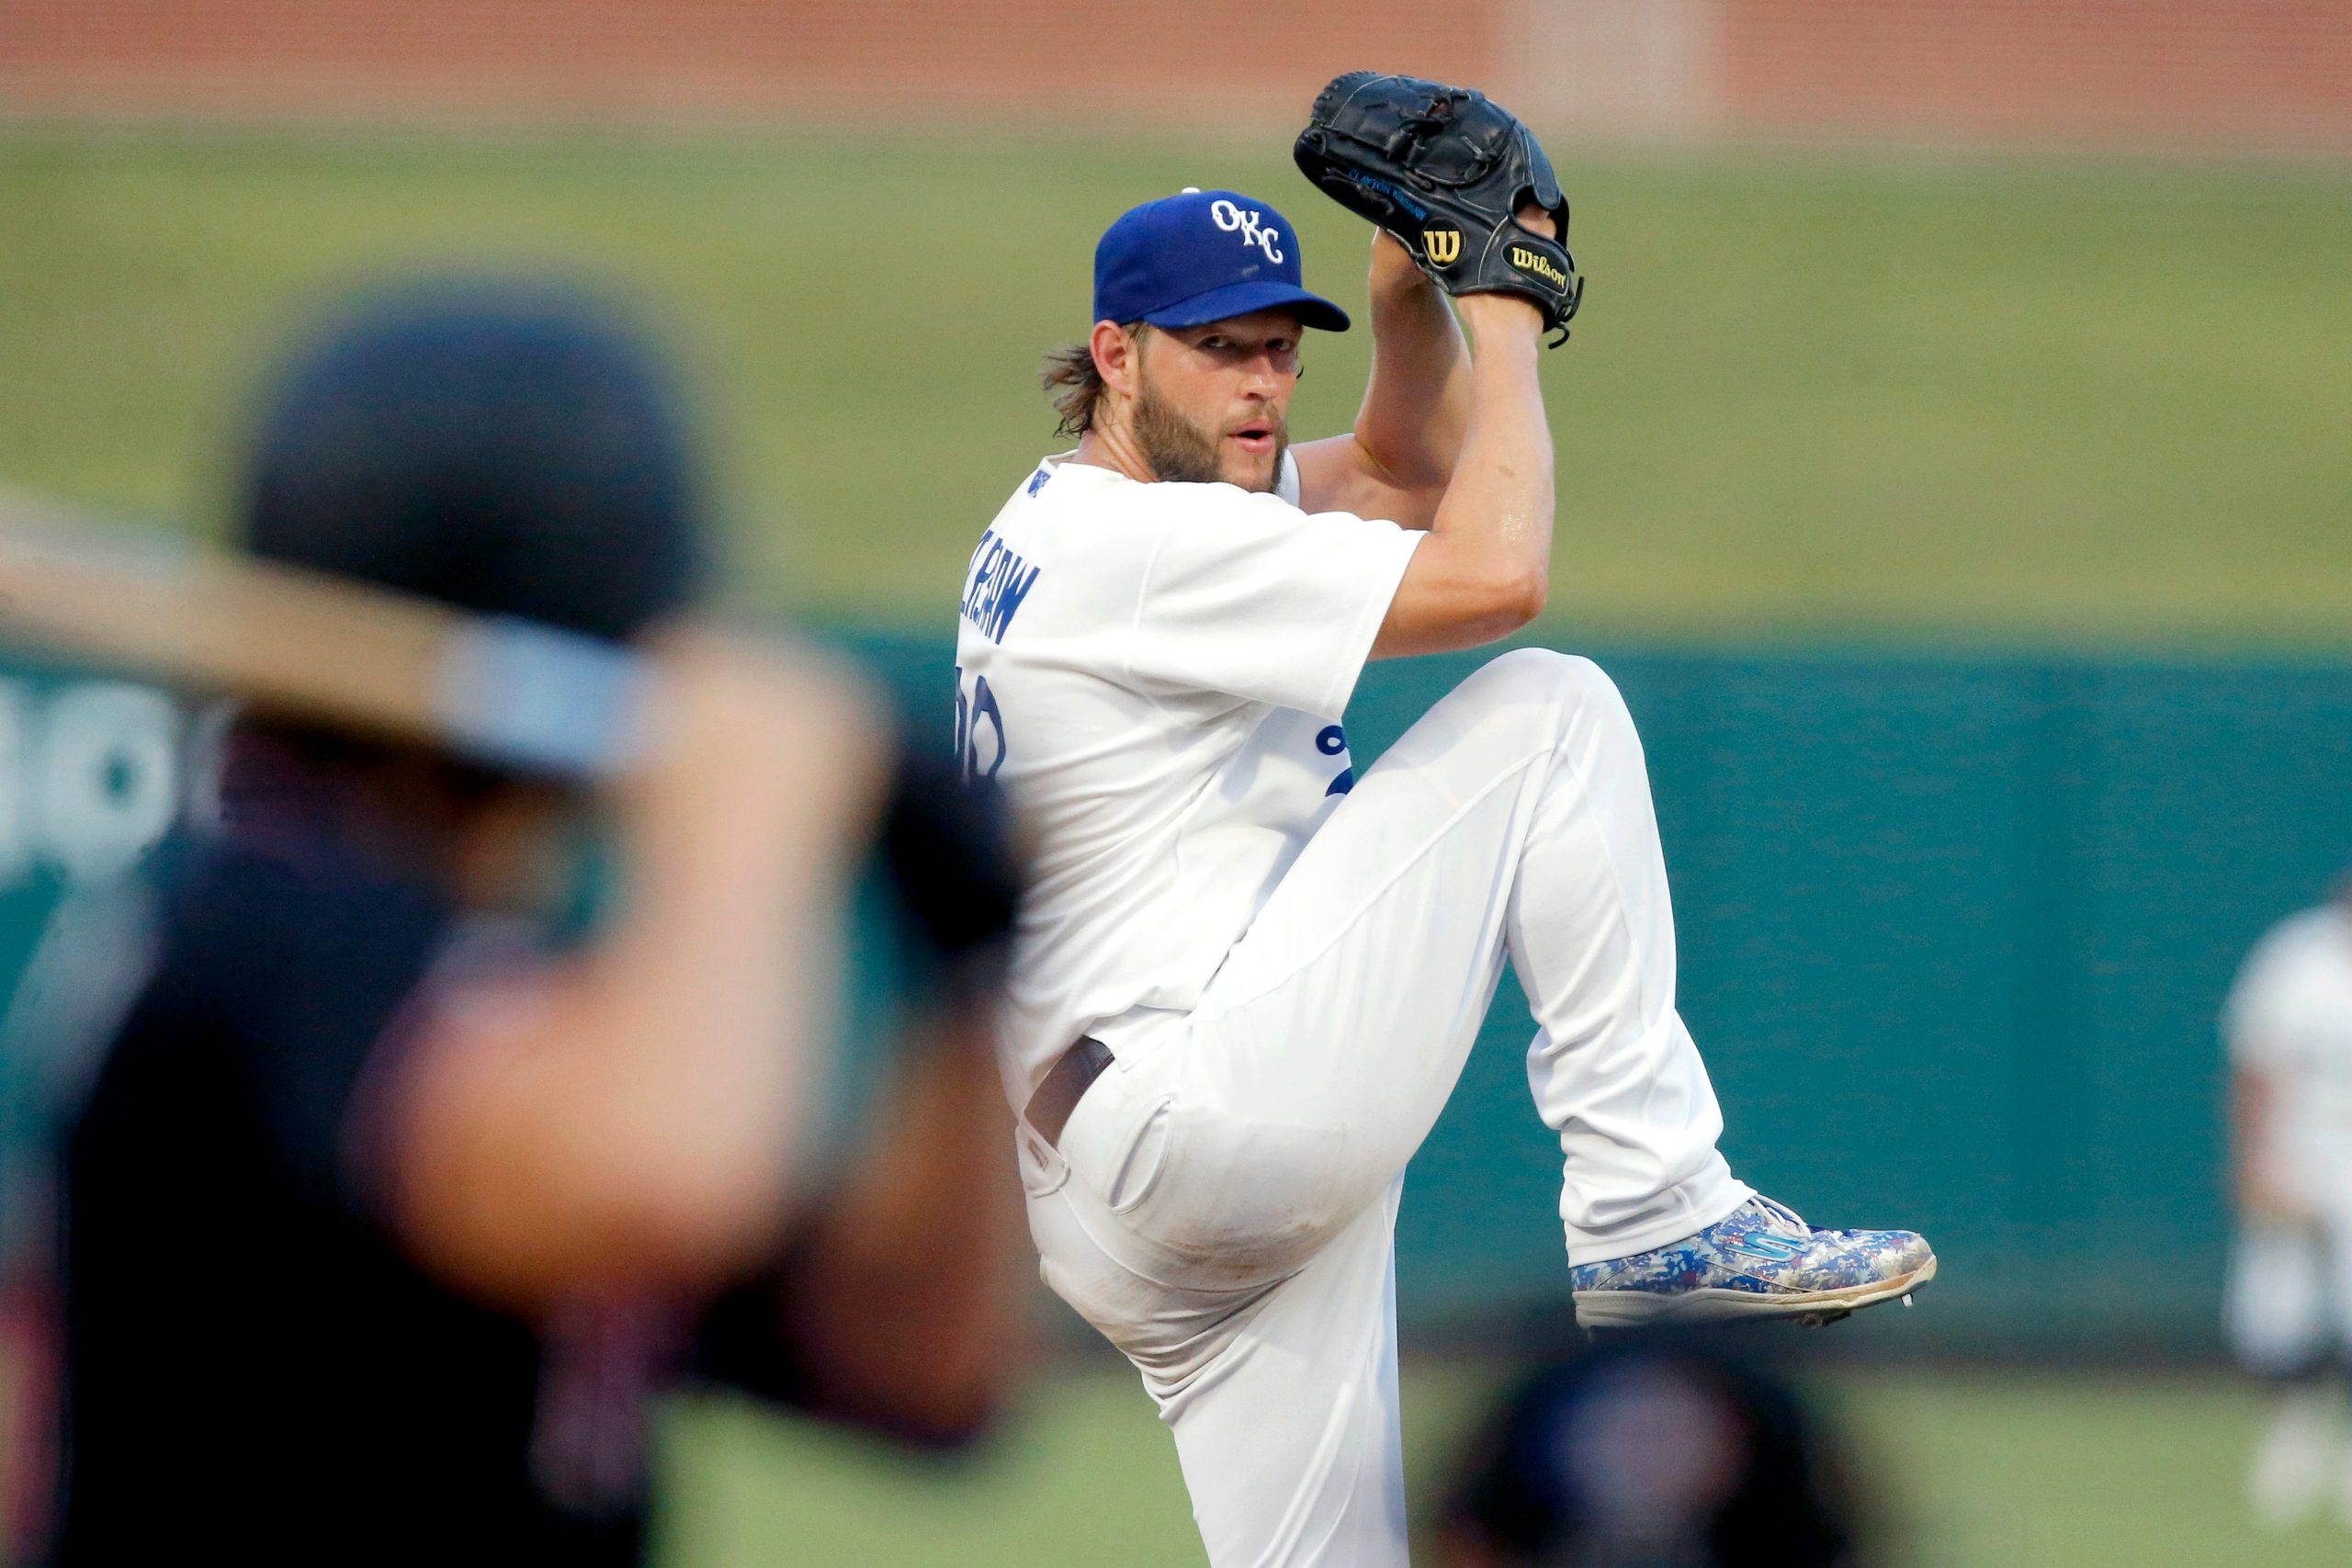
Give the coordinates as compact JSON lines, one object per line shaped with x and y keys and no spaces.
{"x":1416,"y":406}
{"x":1499,"y":505}
{"x":1486,"y":567}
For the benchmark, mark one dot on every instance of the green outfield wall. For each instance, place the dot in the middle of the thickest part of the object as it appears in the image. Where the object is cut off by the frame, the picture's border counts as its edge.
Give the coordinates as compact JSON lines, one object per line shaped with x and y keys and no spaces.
{"x":1954,"y":928}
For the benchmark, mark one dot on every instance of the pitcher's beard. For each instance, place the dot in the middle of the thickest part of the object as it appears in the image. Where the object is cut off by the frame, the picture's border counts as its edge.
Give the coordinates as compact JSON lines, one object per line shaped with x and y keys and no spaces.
{"x":1180,"y":452}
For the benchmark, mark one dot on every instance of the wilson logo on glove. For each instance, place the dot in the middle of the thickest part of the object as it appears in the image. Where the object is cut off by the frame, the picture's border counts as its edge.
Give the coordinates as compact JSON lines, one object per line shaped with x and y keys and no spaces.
{"x":1537,"y":263}
{"x":1444,"y":245}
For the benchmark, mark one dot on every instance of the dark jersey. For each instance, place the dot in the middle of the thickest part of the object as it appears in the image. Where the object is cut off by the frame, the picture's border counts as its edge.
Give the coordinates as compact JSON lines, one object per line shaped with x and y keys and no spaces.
{"x":250,"y":1363}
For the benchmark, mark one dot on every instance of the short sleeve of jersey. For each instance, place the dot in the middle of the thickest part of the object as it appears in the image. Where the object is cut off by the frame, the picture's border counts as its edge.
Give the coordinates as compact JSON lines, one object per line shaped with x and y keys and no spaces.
{"x":1247,"y":594}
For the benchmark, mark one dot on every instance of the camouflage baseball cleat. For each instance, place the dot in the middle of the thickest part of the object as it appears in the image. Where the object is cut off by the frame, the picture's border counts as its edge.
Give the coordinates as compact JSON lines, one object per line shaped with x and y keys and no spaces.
{"x":1760,"y":1261}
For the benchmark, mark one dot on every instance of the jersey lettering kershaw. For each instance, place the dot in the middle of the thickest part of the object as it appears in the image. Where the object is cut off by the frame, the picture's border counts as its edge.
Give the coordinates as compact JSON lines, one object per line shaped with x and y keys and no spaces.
{"x":1155,"y":673}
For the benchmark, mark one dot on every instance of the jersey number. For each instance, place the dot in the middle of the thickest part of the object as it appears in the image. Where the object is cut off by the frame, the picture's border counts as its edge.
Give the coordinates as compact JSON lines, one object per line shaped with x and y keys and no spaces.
{"x":979,"y":730}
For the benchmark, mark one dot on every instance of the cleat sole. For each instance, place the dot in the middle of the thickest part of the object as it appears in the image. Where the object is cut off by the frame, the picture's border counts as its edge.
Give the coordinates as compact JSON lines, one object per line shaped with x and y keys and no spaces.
{"x":1634,"y":1309}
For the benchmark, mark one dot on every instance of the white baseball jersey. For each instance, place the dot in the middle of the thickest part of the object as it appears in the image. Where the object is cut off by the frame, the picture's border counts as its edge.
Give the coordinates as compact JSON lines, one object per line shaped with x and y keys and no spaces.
{"x":1155,"y":673}
{"x":2290,"y":1017}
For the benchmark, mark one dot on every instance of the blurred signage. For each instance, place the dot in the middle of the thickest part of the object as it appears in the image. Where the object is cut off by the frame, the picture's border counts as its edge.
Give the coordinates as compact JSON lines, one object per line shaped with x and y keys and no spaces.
{"x":93,"y":774}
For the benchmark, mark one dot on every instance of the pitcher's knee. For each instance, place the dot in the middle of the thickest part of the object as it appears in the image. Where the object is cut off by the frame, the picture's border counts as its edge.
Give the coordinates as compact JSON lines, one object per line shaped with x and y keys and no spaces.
{"x":1567,"y":680}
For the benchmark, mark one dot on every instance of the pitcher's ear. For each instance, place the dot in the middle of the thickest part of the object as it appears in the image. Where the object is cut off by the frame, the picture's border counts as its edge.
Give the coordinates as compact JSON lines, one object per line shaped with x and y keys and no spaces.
{"x":1118,"y":355}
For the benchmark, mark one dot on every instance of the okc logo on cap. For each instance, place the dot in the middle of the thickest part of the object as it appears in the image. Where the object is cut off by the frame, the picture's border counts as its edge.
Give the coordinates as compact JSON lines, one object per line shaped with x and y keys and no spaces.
{"x":1247,"y":222}
{"x":1202,"y":256}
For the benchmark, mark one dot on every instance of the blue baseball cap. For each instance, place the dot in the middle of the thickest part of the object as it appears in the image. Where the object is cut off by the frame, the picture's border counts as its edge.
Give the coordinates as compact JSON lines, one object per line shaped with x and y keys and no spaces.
{"x":1203,"y":256}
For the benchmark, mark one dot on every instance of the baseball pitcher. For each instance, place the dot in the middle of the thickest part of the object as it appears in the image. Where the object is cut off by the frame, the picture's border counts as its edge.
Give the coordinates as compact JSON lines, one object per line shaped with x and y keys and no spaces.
{"x":1246,"y":977}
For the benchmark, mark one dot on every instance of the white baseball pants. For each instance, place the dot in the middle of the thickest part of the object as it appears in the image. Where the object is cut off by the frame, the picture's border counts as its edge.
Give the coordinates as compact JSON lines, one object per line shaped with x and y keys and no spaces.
{"x":1222,"y":1202}
{"x":2288,"y":1308}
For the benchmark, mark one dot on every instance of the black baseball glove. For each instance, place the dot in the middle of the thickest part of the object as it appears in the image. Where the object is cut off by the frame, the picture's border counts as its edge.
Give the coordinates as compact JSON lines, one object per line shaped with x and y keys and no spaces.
{"x":1445,"y":170}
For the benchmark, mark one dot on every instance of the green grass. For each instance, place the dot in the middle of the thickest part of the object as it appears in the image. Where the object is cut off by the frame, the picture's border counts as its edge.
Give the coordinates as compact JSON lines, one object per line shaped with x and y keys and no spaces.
{"x":2019,"y":1469}
{"x":1808,"y":395}
{"x":1974,"y":1471}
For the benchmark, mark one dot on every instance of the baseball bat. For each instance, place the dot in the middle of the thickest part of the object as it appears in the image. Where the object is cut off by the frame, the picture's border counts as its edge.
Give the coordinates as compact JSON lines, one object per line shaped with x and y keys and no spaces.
{"x":497,"y":690}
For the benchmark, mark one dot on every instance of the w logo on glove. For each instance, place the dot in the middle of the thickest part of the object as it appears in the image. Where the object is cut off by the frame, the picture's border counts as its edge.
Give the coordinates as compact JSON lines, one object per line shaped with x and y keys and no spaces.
{"x":1443,"y":246}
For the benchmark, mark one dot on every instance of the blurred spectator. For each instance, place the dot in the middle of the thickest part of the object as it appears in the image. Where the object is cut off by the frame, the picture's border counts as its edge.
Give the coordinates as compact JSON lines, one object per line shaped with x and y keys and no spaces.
{"x":1650,"y":1451}
{"x":395,"y":1199}
{"x":2288,"y":1024}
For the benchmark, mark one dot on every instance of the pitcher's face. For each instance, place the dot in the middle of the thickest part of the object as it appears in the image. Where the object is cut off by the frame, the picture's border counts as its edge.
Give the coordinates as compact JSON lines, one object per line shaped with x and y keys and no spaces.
{"x":1212,"y":402}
